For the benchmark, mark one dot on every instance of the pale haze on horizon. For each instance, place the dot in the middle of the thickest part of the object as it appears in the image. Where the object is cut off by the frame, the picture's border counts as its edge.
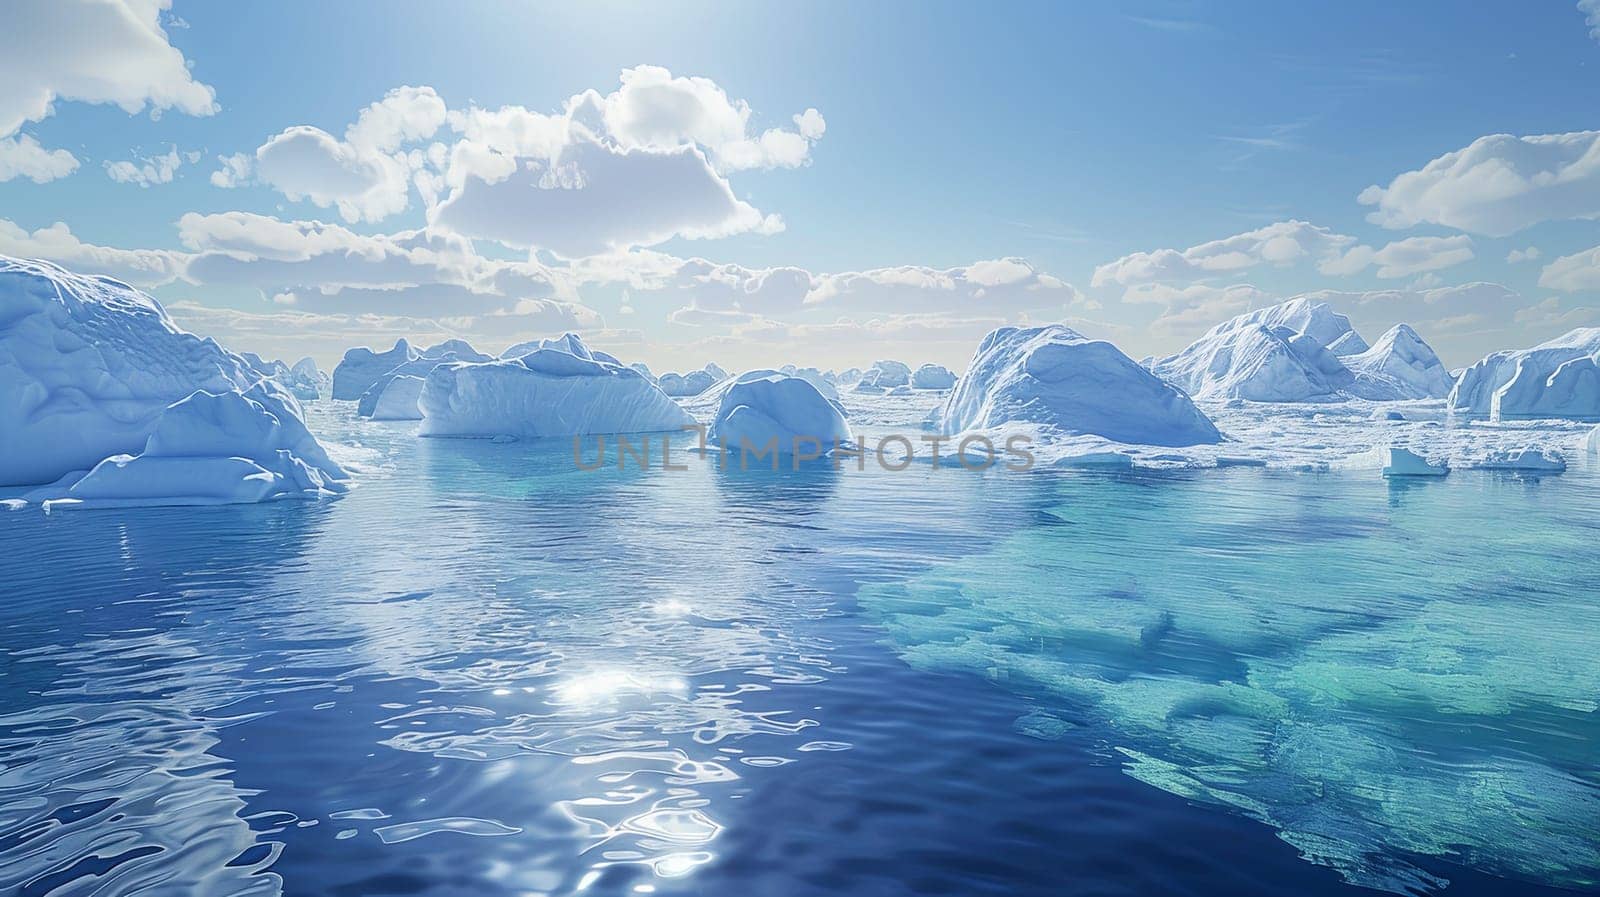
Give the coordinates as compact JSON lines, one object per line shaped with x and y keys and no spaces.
{"x":825,"y":185}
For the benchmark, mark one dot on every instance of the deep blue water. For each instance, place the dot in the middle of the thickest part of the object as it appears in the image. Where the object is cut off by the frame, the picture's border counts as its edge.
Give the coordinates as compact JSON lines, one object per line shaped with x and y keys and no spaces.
{"x":483,"y":672}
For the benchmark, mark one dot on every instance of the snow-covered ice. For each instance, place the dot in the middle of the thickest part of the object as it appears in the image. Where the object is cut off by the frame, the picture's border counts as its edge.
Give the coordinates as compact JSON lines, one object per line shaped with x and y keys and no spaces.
{"x":763,"y":406}
{"x":91,"y":368}
{"x":445,"y":353}
{"x":212,"y":448}
{"x":560,"y":390}
{"x":1512,"y":382}
{"x":888,"y":374}
{"x":1399,"y":366}
{"x":692,"y":383}
{"x":1057,"y":378}
{"x":361,"y":367}
{"x":303,"y":379}
{"x":933,"y":376}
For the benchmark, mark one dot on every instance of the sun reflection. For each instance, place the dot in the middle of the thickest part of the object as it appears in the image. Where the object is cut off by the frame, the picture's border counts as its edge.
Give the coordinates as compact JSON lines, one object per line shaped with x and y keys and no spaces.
{"x":606,"y":686}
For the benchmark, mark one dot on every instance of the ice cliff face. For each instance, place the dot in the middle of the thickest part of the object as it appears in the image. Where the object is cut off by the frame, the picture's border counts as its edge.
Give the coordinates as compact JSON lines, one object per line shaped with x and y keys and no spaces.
{"x":1056,"y":377}
{"x":1552,"y":379}
{"x":361,"y":367}
{"x":563,"y":389}
{"x":91,"y":368}
{"x":761,"y":407}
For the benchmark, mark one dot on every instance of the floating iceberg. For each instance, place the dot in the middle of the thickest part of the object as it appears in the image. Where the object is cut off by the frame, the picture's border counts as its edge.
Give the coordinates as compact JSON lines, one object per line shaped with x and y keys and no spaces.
{"x":444,"y":353}
{"x":1572,"y":391}
{"x":933,"y":376}
{"x":1591,"y":443}
{"x":888,"y":374}
{"x":1056,"y":377}
{"x":1524,"y":375}
{"x":815,"y":377}
{"x":89,"y":367}
{"x":1400,"y":366}
{"x":868,"y":386}
{"x":214,"y":448}
{"x":304,"y":379}
{"x":569,"y":343}
{"x":1254,"y":361}
{"x":1400,"y":462}
{"x":361,"y":367}
{"x":765,"y":407}
{"x":563,"y":389}
{"x":849,"y":376}
{"x":398,"y":401}
{"x":643,"y":369}
{"x":693,"y":383}
{"x":1527,"y":460}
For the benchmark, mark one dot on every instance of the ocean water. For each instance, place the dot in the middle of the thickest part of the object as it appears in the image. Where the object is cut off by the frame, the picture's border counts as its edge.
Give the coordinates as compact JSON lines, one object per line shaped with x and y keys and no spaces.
{"x":485,"y":672}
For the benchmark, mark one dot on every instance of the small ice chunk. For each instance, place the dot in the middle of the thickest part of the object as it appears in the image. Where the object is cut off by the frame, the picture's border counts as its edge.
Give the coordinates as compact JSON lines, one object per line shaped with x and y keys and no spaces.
{"x":1400,"y":462}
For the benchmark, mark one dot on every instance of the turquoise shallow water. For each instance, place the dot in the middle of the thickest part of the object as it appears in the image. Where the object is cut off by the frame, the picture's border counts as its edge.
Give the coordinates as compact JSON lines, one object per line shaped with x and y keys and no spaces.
{"x":484,"y":672}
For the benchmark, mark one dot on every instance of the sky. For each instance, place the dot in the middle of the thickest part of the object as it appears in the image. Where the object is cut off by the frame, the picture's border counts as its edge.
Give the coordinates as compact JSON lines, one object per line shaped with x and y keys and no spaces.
{"x":820,"y":183}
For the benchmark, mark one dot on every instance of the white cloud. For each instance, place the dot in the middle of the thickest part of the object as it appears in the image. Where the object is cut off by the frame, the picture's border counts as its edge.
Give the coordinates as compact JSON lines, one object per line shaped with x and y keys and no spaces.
{"x":116,"y":53}
{"x":56,"y":243}
{"x":1591,"y":14}
{"x":1530,"y":254}
{"x":1281,"y":244}
{"x":150,"y":169}
{"x":236,"y":170}
{"x":655,"y":110}
{"x":363,"y":175}
{"x":23,"y":157}
{"x":1403,"y":258}
{"x":1497,"y":185}
{"x":328,"y":265}
{"x":995,"y":286}
{"x":1573,"y":273}
{"x":597,"y":198}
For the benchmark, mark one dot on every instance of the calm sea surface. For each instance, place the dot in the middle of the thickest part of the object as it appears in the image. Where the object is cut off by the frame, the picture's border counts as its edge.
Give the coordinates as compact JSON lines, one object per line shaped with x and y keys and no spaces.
{"x":484,"y":672}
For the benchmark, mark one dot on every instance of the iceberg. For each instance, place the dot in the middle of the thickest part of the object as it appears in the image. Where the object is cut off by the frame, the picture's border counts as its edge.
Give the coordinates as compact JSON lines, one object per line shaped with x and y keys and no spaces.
{"x":214,"y":448}
{"x":888,"y":374}
{"x":444,"y":353}
{"x":1477,"y":389}
{"x":690,"y":384}
{"x":933,"y":376}
{"x":398,"y":401}
{"x":458,"y":349}
{"x":1572,"y":391}
{"x":304,"y":380}
{"x":643,"y":369}
{"x":1591,"y":443}
{"x":562,"y":389}
{"x":1400,"y":366}
{"x":361,"y":367}
{"x":1350,"y":343}
{"x":569,"y":343}
{"x":1055,"y":376}
{"x":89,"y":368}
{"x":1254,"y":361}
{"x":765,"y":407}
{"x":849,"y":376}
{"x":1400,"y":462}
{"x":1528,"y":460}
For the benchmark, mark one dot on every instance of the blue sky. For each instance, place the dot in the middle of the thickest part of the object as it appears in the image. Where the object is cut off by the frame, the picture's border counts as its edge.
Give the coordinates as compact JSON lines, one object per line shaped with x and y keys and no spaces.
{"x":1068,"y":136}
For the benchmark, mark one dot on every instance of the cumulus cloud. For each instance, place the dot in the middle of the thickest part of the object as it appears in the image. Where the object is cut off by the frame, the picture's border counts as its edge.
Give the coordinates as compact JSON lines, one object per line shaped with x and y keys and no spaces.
{"x":1591,"y":15}
{"x":57,"y":243}
{"x":1191,"y":309}
{"x":1573,"y":273}
{"x":363,"y":175}
{"x":118,"y":54}
{"x":150,"y":169}
{"x":236,"y":170}
{"x":1281,"y":244}
{"x":1497,"y":185}
{"x":23,"y":157}
{"x":596,"y":198}
{"x":331,"y":266}
{"x":1517,"y":256}
{"x":1403,"y":258}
